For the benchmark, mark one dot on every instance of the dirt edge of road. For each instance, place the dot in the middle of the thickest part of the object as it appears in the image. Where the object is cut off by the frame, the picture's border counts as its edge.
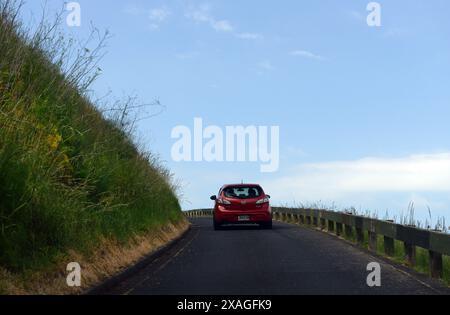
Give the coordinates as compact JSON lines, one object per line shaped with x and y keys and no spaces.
{"x":110,"y":259}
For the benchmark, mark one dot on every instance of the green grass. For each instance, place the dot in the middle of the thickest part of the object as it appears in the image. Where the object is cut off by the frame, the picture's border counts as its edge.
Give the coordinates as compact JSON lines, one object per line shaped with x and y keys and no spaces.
{"x":68,"y":175}
{"x":422,"y":257}
{"x":446,"y":266}
{"x":351,"y":237}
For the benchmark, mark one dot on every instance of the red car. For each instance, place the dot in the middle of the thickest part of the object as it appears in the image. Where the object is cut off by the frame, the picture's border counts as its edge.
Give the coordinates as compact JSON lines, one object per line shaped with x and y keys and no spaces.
{"x":242,"y":204}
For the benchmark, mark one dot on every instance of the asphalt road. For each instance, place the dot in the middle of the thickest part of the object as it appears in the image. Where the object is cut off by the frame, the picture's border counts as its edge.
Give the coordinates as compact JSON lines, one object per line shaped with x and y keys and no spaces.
{"x":288,"y":260}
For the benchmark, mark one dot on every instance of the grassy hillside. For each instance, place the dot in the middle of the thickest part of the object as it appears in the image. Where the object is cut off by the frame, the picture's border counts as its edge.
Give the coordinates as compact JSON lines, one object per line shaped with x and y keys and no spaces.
{"x":68,"y":176}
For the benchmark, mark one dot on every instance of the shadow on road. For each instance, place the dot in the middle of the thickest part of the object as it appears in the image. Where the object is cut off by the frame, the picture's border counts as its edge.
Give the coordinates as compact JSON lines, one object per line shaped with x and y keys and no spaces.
{"x":245,"y":227}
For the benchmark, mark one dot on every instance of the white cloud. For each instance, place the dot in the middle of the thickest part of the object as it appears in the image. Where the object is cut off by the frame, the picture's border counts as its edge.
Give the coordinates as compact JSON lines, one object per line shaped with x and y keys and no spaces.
{"x":306,"y":54}
{"x":202,"y":14}
{"x":250,"y":36}
{"x":156,"y":16}
{"x":222,"y":26}
{"x":317,"y":181}
{"x":159,"y":14}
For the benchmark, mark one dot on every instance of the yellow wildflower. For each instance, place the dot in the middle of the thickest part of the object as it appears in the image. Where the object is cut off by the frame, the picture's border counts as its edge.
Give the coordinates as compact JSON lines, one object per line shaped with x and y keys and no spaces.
{"x":54,"y":141}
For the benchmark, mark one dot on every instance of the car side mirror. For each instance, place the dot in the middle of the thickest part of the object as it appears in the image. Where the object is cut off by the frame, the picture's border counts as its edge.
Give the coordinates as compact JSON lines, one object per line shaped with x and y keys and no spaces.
{"x":268,"y":196}
{"x":214,"y":198}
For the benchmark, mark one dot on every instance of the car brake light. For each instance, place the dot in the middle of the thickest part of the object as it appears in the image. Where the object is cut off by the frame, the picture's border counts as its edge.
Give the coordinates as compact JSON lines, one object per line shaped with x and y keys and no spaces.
{"x":264,"y":200}
{"x":223,"y":201}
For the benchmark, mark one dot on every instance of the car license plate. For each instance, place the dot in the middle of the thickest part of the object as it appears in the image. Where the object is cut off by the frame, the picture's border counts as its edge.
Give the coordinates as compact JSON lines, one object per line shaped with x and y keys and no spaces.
{"x":243,"y":218}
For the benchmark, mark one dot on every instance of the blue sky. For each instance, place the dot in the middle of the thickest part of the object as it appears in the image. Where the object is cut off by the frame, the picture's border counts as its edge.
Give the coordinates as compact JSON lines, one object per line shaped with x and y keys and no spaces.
{"x":363,"y":111}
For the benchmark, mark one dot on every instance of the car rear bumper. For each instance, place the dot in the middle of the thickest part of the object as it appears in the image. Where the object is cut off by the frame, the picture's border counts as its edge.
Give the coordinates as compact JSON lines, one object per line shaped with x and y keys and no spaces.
{"x":233,"y":217}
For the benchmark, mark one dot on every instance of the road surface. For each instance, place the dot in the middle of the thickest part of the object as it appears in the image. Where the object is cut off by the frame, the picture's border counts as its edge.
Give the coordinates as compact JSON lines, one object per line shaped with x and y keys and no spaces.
{"x":288,"y":260}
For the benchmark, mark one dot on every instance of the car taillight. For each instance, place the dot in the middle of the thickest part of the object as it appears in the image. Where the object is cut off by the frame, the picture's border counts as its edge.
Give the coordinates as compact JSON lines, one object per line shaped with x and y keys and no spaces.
{"x":264,"y":200}
{"x":223,"y":201}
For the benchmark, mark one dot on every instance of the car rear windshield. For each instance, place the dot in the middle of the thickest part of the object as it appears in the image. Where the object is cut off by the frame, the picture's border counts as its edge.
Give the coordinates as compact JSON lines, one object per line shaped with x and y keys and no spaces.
{"x":242,"y":192}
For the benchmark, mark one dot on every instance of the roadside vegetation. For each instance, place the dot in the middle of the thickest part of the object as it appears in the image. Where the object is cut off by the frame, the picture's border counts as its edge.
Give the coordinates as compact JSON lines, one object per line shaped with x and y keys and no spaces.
{"x":69,"y":175}
{"x":422,"y":264}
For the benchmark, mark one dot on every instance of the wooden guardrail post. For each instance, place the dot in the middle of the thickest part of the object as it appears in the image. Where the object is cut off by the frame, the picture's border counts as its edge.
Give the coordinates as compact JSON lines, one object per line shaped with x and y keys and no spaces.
{"x":330,"y":226}
{"x":389,"y":247}
{"x":339,"y":228}
{"x":359,"y":235}
{"x":322,"y":223}
{"x":410,"y":253}
{"x":302,"y":219}
{"x":373,"y":240}
{"x":308,"y":220}
{"x":348,"y":229}
{"x":359,"y":228}
{"x":436,"y":268}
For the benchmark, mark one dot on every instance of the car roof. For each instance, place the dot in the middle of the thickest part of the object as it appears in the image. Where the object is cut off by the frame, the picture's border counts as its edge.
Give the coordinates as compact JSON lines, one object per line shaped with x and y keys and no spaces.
{"x":241,"y":185}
